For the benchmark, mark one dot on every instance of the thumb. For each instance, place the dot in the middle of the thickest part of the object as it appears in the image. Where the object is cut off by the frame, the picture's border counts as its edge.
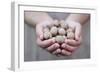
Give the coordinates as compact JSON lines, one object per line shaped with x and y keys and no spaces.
{"x":39,"y":31}
{"x":77,"y":32}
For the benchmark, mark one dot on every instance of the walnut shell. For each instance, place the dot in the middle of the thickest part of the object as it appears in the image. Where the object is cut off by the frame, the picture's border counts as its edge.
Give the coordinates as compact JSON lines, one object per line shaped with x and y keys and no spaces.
{"x":53,"y":30}
{"x":70,"y":35}
{"x":69,"y":30}
{"x":61,"y":31}
{"x":47,"y":35}
{"x":63,"y":24}
{"x":59,"y":39}
{"x":56,"y":23}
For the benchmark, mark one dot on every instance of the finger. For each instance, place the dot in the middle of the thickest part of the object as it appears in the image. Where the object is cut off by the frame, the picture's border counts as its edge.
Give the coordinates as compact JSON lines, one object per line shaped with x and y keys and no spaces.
{"x":78,"y":31}
{"x":39,"y":31}
{"x":68,"y":47}
{"x":53,"y":47}
{"x":73,"y":42}
{"x":65,"y":53}
{"x":45,"y":43}
{"x":57,"y":51}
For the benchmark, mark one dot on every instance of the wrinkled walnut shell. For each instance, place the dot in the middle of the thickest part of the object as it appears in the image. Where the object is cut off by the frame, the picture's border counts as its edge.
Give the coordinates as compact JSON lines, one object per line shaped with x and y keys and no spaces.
{"x":53,"y":30}
{"x":61,"y":31}
{"x":59,"y":39}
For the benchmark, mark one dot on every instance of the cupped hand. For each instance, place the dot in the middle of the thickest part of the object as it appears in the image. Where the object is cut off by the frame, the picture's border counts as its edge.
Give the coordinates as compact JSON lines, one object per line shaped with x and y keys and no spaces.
{"x":48,"y":44}
{"x":71,"y":45}
{"x":66,"y":48}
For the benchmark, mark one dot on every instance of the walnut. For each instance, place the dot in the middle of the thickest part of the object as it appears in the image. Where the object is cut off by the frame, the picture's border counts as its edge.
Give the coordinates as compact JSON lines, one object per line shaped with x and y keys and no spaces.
{"x":56,"y":23}
{"x":63,"y":24}
{"x":61,"y":31}
{"x":70,"y":35}
{"x":69,"y":30}
{"x":47,"y":35}
{"x":53,"y":30}
{"x":59,"y":39}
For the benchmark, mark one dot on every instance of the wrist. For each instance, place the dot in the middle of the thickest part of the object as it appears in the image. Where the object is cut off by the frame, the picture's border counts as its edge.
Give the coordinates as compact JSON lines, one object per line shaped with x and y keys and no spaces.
{"x":44,"y":19}
{"x":45,"y":23}
{"x":72,"y":22}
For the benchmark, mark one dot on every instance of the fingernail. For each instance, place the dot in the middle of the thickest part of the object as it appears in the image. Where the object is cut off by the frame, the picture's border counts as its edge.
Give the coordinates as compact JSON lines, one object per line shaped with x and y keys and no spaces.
{"x":41,"y":36}
{"x":63,"y":45}
{"x":59,"y":50}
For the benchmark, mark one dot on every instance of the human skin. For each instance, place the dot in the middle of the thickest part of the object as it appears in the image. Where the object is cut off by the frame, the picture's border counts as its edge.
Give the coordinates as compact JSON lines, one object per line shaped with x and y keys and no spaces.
{"x":40,"y":20}
{"x":74,"y":21}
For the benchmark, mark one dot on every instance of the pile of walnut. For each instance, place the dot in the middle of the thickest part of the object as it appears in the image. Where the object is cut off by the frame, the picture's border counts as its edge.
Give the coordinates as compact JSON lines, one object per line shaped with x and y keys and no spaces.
{"x":59,"y":30}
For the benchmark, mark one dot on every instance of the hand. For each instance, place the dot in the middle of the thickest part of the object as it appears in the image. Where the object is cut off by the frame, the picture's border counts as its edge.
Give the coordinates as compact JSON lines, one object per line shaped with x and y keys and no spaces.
{"x":71,"y":45}
{"x":49,"y":44}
